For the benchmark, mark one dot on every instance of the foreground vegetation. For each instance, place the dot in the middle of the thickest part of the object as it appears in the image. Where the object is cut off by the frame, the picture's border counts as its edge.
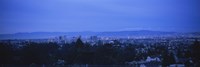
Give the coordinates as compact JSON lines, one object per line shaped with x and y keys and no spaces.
{"x":83,"y":53}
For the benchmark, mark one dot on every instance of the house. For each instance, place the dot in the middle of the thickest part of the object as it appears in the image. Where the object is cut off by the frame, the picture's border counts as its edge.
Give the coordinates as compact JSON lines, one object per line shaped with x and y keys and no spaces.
{"x":150,"y":59}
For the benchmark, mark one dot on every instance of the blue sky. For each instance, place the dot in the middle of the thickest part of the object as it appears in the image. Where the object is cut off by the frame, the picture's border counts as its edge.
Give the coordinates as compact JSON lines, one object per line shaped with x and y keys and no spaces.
{"x":98,"y":15}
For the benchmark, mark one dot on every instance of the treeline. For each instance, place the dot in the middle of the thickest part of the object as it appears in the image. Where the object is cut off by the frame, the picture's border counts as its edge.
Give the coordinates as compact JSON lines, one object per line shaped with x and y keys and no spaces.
{"x":82,"y":53}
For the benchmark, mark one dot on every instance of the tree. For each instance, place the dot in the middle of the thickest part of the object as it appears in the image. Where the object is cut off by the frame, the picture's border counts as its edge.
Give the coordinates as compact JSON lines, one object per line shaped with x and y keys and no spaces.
{"x":196,"y":52}
{"x":40,"y":53}
{"x":6,"y":53}
{"x":168,"y":58}
{"x":79,"y":43}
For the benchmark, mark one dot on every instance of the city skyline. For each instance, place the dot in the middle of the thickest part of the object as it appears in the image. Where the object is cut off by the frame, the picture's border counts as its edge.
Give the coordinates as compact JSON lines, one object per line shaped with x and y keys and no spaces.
{"x":99,"y":15}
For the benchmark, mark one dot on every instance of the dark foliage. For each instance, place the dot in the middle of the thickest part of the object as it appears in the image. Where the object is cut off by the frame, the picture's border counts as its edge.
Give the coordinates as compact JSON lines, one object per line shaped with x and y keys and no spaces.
{"x":83,"y":53}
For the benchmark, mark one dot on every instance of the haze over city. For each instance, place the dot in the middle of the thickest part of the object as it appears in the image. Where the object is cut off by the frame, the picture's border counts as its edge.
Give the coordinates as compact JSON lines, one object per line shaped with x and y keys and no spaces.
{"x":98,"y":15}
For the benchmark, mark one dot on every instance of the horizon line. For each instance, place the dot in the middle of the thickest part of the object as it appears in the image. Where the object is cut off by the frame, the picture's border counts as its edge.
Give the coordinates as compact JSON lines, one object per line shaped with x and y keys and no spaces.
{"x":97,"y":31}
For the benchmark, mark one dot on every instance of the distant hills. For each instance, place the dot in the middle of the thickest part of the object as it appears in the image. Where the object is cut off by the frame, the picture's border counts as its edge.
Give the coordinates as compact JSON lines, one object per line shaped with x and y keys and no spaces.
{"x":42,"y":35}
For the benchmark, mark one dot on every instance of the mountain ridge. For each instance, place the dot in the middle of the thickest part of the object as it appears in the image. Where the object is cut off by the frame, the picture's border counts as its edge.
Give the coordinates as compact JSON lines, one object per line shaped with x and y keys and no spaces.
{"x":41,"y":35}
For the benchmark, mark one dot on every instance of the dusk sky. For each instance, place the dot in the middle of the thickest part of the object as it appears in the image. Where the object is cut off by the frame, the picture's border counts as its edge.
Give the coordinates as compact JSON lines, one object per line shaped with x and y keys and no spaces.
{"x":99,"y":15}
